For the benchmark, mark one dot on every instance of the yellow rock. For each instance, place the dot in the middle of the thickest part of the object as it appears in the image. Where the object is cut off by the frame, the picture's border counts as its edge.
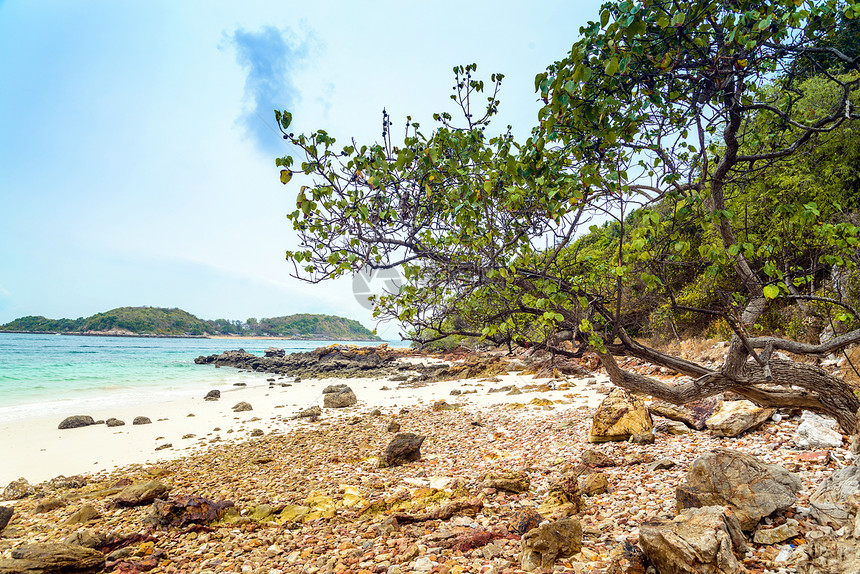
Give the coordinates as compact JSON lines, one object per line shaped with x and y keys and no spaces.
{"x":293,"y":513}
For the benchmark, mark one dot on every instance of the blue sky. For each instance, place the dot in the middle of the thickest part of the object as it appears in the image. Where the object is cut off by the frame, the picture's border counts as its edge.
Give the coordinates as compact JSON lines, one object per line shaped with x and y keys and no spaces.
{"x":137,"y":139}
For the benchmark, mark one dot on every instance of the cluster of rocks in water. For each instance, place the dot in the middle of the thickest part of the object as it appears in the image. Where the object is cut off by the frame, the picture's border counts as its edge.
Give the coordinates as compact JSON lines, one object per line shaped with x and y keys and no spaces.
{"x":334,"y":361}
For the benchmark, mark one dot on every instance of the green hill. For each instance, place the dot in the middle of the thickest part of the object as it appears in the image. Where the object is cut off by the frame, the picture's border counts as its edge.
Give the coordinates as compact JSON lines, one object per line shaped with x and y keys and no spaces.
{"x":157,"y":321}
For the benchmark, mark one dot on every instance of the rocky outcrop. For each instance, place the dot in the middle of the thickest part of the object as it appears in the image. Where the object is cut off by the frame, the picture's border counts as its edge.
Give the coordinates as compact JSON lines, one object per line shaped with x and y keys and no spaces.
{"x":113,"y":422}
{"x":693,"y":414}
{"x":76,"y":421}
{"x":542,"y":546}
{"x":212,"y":395}
{"x":325,"y":362}
{"x":698,"y":541}
{"x":141,"y":421}
{"x":404,"y":447}
{"x":620,"y":416}
{"x":338,"y":397}
{"x":735,"y":417}
{"x":45,"y":558}
{"x":274,"y":352}
{"x":141,"y":493}
{"x":817,"y":432}
{"x":750,"y":487}
{"x":18,"y":489}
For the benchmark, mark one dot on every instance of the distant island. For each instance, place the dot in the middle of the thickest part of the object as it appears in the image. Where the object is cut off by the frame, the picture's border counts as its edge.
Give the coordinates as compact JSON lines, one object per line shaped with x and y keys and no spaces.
{"x":162,"y":322}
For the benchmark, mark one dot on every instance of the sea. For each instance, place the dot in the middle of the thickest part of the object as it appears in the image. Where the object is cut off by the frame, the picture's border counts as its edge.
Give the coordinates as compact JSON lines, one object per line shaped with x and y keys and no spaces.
{"x":53,"y":375}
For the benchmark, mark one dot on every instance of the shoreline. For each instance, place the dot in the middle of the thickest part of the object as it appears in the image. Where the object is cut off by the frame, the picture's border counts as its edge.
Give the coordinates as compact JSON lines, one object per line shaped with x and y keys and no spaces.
{"x":166,"y":336}
{"x":35,"y":449}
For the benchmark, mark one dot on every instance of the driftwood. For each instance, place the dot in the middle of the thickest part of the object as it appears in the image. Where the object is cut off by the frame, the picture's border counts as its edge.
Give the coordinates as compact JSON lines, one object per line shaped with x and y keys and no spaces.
{"x":444,"y":512}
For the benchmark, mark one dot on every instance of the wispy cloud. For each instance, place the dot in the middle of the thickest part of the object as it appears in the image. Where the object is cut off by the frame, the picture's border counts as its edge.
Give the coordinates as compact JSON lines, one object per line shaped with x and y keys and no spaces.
{"x":271,"y":57}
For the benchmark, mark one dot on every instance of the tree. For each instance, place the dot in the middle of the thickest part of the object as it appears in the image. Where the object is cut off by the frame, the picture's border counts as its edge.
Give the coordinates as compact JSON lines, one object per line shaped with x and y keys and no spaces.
{"x":660,"y":117}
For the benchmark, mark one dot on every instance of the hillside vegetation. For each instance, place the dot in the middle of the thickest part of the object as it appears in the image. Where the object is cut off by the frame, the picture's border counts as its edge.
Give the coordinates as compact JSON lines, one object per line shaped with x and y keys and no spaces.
{"x":157,"y":321}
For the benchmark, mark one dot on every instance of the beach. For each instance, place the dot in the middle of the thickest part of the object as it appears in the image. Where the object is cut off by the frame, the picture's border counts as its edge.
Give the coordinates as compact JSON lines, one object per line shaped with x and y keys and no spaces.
{"x":310,"y":495}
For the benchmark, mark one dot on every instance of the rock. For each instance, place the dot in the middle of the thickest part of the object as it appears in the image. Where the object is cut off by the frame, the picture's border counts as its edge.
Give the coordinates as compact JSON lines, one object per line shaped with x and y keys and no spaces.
{"x":86,"y":538}
{"x":776,"y":535}
{"x":752,"y":488}
{"x":672,"y":427}
{"x":698,"y":541}
{"x":817,"y":432}
{"x":61,"y":482}
{"x":597,"y":459}
{"x":242,"y":407}
{"x":662,"y":464}
{"x":642,"y":438}
{"x":76,"y":421}
{"x":274,"y":352}
{"x":393,"y":426}
{"x":404,"y":447}
{"x":257,"y":432}
{"x":525,"y":519}
{"x":50,"y":558}
{"x":141,"y":421}
{"x":619,"y":416}
{"x":563,"y":499}
{"x":542,"y":546}
{"x":692,"y":414}
{"x":312,"y":412}
{"x":186,"y":509}
{"x":514,"y":481}
{"x":627,"y":558}
{"x":48,"y":504}
{"x":18,"y":489}
{"x":595,"y":483}
{"x":338,"y":397}
{"x":6,"y":513}
{"x":212,"y":395}
{"x":141,"y":493}
{"x":423,"y":565}
{"x":112,"y":422}
{"x":735,"y":417}
{"x":828,"y":504}
{"x":82,"y":515}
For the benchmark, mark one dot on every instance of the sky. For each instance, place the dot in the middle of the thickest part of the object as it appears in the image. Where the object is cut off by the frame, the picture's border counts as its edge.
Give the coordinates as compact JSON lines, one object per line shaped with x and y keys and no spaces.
{"x":138,"y":142}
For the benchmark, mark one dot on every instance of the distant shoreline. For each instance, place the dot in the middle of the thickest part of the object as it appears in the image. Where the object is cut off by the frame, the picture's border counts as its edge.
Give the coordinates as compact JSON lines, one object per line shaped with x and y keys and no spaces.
{"x":316,"y":337}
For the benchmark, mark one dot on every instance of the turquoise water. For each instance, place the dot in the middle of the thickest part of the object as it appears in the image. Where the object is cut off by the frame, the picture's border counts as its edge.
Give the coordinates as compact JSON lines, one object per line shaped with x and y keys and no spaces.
{"x":49,"y":375}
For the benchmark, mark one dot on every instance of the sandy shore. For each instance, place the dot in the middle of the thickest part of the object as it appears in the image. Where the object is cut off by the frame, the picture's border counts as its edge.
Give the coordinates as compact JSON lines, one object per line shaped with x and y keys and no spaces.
{"x":37,"y":450}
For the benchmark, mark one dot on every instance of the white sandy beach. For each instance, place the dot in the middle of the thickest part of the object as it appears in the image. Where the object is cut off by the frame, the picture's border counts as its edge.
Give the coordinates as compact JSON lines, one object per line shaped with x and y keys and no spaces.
{"x":36,"y":450}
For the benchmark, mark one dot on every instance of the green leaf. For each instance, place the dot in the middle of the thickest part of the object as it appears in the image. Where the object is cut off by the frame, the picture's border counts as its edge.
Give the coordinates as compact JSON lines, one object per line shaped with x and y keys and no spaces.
{"x":611,"y":66}
{"x":286,"y":176}
{"x":771,"y":291}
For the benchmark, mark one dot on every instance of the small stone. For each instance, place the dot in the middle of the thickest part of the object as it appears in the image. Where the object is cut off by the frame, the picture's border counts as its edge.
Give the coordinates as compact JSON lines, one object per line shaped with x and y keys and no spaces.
{"x":112,"y":422}
{"x":212,"y":395}
{"x":595,"y":483}
{"x":242,"y":406}
{"x":141,"y":421}
{"x":776,"y":535}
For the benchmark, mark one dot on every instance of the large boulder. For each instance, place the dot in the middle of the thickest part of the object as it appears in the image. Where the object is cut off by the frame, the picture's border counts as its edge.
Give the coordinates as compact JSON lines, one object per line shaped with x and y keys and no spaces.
{"x":338,"y":397}
{"x":76,"y":421}
{"x":542,"y":546}
{"x":5,"y":516}
{"x":735,"y":417}
{"x":620,"y":416}
{"x":212,"y":395}
{"x":47,"y":558}
{"x":404,"y":447}
{"x":693,"y":414}
{"x":816,"y":431}
{"x":18,"y":489}
{"x":698,"y":541}
{"x":829,"y":504}
{"x":141,"y":493}
{"x":726,"y":477}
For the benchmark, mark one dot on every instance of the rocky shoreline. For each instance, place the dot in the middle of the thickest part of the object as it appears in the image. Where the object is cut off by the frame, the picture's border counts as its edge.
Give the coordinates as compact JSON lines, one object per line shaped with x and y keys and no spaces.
{"x":541,"y":485}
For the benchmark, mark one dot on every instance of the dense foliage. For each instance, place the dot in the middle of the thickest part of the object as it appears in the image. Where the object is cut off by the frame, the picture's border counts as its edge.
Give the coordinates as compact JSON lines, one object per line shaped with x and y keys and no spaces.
{"x":176,"y":322}
{"x":697,"y":130}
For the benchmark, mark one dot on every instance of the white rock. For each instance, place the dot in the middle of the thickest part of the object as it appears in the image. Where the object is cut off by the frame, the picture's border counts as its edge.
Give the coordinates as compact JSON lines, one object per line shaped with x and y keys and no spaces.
{"x":423,"y":565}
{"x":817,"y":432}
